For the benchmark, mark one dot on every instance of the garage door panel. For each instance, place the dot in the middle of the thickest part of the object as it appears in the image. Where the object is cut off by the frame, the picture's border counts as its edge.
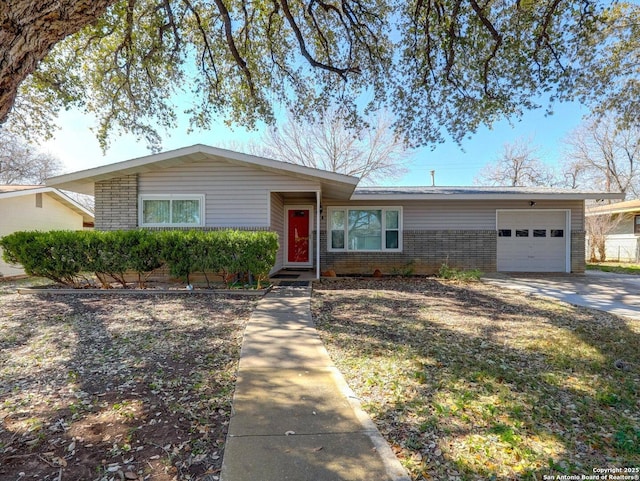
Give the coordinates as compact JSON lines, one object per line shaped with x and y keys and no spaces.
{"x":532,"y":241}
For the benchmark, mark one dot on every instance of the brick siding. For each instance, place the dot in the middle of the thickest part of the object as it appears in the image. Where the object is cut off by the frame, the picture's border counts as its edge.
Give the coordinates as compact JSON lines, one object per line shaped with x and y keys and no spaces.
{"x":423,"y":253}
{"x":116,"y":203}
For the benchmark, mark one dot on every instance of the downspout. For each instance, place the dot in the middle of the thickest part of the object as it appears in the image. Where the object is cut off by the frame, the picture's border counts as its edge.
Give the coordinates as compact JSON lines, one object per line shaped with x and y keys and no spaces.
{"x":317,"y":234}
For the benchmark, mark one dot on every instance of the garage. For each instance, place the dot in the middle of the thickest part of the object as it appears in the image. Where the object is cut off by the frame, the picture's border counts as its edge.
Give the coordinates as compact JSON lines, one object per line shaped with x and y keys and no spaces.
{"x":533,"y":240}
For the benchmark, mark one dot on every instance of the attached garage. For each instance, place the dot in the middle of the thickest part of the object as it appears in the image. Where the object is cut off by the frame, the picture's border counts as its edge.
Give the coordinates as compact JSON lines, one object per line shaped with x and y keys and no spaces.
{"x":534,"y":240}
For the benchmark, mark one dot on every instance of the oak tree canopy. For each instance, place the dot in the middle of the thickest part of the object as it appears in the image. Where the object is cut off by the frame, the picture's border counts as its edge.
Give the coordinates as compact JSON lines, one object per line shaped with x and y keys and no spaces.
{"x":440,"y":66}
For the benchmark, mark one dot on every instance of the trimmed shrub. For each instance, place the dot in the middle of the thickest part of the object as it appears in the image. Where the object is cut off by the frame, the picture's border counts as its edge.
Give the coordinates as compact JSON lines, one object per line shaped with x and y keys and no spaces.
{"x":178,"y":249}
{"x":63,"y":255}
{"x":56,"y":255}
{"x":144,"y":253}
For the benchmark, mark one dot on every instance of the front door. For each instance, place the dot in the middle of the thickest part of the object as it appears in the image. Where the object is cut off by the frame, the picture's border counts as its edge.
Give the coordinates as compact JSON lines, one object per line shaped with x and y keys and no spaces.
{"x":298,"y":236}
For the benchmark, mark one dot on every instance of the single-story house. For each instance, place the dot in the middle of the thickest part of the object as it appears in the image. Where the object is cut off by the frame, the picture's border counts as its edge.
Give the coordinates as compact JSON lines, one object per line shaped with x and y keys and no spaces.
{"x":326,"y":222}
{"x":36,"y":207}
{"x":622,"y":224}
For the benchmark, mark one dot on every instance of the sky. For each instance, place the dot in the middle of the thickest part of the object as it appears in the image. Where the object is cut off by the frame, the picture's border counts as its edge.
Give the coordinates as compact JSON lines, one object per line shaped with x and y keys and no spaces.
{"x":78,"y":149}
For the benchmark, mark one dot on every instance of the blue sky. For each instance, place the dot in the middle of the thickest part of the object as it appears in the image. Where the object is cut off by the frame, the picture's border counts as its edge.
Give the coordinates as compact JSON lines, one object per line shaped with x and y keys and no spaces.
{"x":76,"y":146}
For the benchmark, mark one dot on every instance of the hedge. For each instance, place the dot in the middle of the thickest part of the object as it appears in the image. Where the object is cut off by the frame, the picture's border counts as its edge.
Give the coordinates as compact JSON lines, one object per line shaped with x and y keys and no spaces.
{"x":66,"y":256}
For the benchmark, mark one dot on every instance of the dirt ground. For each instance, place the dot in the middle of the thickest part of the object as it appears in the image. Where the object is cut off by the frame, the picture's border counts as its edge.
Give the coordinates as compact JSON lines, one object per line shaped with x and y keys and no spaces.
{"x":129,"y":387}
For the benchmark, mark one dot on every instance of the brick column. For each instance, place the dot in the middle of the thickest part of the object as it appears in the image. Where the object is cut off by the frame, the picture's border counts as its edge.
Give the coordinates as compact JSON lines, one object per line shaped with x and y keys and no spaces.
{"x":578,"y":251}
{"x":116,"y":203}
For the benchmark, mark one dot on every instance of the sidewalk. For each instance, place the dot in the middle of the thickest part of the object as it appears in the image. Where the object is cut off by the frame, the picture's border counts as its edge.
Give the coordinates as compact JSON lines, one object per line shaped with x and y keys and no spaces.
{"x":294,"y":417}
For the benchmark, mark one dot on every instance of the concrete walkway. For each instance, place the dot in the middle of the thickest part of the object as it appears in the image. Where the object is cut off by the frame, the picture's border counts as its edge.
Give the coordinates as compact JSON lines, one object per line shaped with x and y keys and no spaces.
{"x":294,"y":417}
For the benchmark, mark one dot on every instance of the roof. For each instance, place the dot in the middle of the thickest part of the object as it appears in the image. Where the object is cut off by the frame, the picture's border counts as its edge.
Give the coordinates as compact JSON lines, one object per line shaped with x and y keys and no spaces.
{"x":333,"y":184}
{"x":616,"y":208}
{"x":470,"y":193}
{"x":15,"y":188}
{"x":8,"y":191}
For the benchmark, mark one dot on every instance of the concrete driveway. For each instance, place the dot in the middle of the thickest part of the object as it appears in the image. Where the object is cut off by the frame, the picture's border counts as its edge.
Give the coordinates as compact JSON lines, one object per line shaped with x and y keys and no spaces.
{"x":615,"y":293}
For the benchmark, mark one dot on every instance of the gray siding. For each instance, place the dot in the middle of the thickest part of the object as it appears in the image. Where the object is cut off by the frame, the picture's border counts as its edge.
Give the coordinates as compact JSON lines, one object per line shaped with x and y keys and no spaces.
{"x":277,"y":225}
{"x":235,"y":196}
{"x":467,"y":215}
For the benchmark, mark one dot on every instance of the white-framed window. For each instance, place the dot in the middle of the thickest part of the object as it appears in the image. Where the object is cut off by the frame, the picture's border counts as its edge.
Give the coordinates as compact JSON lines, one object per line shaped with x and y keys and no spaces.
{"x":171,"y":210}
{"x":364,"y":229}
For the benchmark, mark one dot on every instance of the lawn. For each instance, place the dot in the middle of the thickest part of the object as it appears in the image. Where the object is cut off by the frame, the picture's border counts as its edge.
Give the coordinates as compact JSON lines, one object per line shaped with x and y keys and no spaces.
{"x":618,"y":267}
{"x":469,"y":382}
{"x":131,"y":387}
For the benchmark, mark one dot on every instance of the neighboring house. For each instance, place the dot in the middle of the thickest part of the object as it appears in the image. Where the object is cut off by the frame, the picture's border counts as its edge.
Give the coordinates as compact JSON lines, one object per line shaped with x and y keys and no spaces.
{"x":621,"y":241}
{"x":394,"y":229}
{"x":36,"y":207}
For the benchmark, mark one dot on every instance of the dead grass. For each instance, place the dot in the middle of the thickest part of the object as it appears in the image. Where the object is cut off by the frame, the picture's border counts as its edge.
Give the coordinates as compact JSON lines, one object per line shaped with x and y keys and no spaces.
{"x":131,"y":387}
{"x":468,"y":382}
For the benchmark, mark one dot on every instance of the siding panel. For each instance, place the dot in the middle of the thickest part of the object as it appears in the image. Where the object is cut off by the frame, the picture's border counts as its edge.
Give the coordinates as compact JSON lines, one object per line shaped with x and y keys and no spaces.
{"x":467,"y":215}
{"x":236,"y":196}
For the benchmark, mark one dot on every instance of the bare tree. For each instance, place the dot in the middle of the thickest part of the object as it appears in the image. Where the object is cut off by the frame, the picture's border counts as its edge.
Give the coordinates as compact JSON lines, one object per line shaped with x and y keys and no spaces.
{"x":21,"y":164}
{"x":602,"y":156}
{"x":517,"y":166}
{"x":372,"y":153}
{"x":85,"y":200}
{"x":598,"y":227}
{"x":571,"y":174}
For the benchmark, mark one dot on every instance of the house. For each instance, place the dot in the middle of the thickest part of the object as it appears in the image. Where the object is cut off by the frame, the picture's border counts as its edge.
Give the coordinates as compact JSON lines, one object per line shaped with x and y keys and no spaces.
{"x":394,"y":229}
{"x":620,"y":224}
{"x":36,"y":207}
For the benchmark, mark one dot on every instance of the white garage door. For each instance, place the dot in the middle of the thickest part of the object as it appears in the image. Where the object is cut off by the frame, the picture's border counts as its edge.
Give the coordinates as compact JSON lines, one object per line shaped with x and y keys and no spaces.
{"x":532,"y":241}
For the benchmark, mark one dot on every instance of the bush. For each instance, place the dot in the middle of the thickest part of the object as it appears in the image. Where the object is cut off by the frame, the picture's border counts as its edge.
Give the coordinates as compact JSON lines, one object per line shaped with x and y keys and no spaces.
{"x":180,"y":251}
{"x":63,"y":256}
{"x":452,"y":273}
{"x":56,"y":255}
{"x":144,"y":254}
{"x":115,"y":253}
{"x":232,"y":254}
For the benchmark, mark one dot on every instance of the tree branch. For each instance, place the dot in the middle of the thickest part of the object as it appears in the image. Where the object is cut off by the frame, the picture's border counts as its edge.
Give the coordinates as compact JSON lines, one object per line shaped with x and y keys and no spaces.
{"x":206,"y":51}
{"x":303,"y":48}
{"x":226,"y":19}
{"x":24,"y":42}
{"x":496,"y":46}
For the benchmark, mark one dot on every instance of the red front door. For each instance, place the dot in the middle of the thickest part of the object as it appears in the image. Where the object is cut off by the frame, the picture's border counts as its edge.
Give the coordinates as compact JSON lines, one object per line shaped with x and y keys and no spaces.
{"x":298,"y":236}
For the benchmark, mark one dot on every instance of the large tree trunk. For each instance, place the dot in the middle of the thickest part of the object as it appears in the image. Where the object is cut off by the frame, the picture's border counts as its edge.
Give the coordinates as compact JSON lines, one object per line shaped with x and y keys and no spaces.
{"x":28,"y":31}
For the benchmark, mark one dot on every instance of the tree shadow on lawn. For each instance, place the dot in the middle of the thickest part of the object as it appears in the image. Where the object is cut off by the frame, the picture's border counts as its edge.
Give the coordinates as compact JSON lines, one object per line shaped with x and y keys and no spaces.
{"x":139,"y":385}
{"x":486,"y":384}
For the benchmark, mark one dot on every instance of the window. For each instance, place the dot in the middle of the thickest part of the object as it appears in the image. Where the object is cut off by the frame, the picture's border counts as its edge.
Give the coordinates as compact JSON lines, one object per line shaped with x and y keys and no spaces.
{"x":522,"y":232}
{"x":557,"y":232}
{"x":39,"y":201}
{"x":636,"y":224}
{"x":504,"y":233}
{"x":171,"y":210}
{"x":539,"y":233}
{"x":365,"y":229}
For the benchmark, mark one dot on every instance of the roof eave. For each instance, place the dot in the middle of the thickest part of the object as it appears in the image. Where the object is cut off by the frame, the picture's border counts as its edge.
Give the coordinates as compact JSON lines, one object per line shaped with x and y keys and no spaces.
{"x":490,"y":196}
{"x":83,"y":181}
{"x":87,"y":215}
